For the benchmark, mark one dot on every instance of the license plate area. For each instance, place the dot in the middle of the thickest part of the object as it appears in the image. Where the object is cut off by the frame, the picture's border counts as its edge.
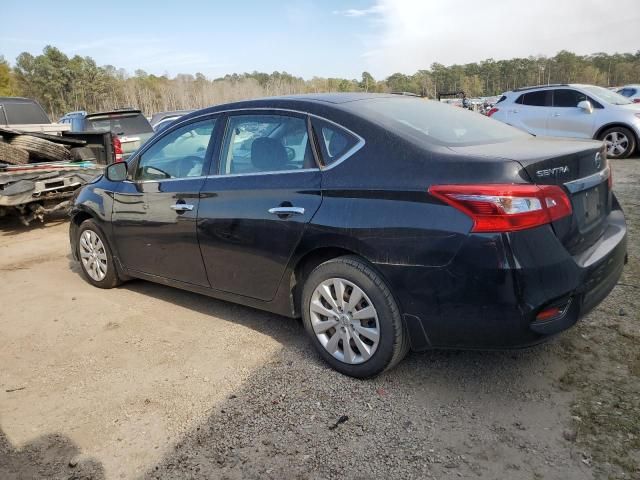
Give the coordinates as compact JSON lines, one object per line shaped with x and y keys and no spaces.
{"x":590,"y":206}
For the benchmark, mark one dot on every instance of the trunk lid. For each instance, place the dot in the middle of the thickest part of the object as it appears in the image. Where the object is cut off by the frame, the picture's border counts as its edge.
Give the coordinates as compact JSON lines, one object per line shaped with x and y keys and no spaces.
{"x":579,"y":166}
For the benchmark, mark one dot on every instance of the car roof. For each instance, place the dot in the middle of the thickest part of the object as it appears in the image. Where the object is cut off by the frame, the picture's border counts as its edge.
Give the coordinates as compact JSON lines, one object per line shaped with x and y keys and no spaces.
{"x":16,"y":100}
{"x":309,"y":101}
{"x":333,"y":97}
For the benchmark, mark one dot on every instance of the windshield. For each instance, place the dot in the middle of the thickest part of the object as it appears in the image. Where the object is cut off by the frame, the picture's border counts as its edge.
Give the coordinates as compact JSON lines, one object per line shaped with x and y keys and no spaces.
{"x":436,"y":122}
{"x":119,"y":124}
{"x":608,"y":96}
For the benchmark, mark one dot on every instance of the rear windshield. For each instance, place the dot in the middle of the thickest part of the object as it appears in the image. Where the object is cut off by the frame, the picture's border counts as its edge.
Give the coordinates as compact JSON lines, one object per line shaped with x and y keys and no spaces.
{"x":120,"y":124}
{"x":23,"y":113}
{"x":436,"y":122}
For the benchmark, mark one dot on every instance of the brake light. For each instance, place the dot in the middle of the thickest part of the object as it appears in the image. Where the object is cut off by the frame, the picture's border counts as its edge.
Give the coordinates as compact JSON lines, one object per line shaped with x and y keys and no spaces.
{"x":492,"y":111}
{"x":506,"y":208}
{"x":636,"y":100}
{"x":118,"y":154}
{"x":548,"y":314}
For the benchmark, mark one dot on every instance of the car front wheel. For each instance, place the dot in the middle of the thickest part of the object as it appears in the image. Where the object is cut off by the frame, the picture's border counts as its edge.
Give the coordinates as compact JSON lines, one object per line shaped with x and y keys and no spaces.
{"x":352,"y":318}
{"x":95,"y":256}
{"x":620,"y":142}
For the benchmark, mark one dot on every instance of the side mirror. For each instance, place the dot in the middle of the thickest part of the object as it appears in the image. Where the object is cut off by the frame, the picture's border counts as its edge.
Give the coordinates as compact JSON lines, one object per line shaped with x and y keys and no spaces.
{"x":116,"y":172}
{"x":586,"y":106}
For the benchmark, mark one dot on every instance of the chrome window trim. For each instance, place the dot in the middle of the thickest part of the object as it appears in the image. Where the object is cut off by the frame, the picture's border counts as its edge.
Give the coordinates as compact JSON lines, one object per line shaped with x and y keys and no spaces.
{"x":359,"y":144}
{"x":172,"y":179}
{"x":270,"y":172}
{"x":588,"y":182}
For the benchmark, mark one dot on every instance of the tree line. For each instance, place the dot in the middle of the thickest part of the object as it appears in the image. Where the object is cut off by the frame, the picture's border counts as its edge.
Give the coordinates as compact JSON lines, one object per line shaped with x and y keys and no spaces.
{"x":62,"y":83}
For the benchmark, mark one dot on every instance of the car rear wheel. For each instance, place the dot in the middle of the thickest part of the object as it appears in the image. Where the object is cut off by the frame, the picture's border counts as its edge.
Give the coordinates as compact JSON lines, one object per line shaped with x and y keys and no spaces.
{"x":620,"y":142}
{"x":95,"y":256}
{"x":352,"y":318}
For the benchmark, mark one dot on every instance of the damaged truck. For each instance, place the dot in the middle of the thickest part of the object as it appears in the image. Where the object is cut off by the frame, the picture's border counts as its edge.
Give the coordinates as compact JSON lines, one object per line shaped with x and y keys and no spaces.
{"x":43,"y":163}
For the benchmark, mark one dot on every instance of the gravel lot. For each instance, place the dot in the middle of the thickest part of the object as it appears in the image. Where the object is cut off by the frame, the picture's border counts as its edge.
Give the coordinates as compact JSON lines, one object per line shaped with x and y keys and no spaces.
{"x":145,"y":381}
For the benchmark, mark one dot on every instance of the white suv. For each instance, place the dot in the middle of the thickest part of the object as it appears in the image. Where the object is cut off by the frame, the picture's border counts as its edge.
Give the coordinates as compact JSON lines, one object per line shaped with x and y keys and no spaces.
{"x":571,"y":110}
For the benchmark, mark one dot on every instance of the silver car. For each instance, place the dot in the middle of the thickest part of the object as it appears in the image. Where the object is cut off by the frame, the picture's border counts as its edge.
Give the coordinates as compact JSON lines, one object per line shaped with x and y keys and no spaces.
{"x":632,"y":92}
{"x":572,"y":110}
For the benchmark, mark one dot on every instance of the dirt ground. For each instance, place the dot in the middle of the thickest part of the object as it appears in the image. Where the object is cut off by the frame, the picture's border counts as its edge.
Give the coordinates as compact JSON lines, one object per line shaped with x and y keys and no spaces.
{"x":145,"y":381}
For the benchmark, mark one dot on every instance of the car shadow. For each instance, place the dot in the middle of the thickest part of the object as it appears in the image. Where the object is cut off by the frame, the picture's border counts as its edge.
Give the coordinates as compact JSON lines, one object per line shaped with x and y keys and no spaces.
{"x":49,"y":456}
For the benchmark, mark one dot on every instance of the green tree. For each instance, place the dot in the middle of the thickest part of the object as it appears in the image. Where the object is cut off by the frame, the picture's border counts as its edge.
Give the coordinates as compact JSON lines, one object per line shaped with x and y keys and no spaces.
{"x":7,"y":83}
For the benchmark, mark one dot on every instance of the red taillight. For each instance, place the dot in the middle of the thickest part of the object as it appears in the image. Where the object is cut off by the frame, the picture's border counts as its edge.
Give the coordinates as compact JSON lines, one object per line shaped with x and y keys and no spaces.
{"x":636,"y":100}
{"x":506,"y":208}
{"x":548,"y":314}
{"x":553,"y":312}
{"x":117,"y":149}
{"x":492,"y":111}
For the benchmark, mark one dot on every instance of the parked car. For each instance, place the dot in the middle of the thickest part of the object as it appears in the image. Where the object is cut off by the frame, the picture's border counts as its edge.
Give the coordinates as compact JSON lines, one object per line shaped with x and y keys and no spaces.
{"x":632,"y":92}
{"x":161,"y":120}
{"x":387,"y":222}
{"x":129,"y":125}
{"x":571,"y":110}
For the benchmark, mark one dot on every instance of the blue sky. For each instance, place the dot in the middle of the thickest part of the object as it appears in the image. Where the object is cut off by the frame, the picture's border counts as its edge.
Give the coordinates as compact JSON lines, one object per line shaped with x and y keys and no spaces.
{"x":313,"y":37}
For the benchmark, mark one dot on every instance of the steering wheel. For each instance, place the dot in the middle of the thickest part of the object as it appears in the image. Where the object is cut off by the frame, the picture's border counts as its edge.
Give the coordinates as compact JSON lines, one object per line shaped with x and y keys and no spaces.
{"x":291,"y":153}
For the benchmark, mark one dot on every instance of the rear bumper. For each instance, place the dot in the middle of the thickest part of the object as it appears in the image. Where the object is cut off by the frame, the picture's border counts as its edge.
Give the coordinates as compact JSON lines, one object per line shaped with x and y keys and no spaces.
{"x":490,"y":294}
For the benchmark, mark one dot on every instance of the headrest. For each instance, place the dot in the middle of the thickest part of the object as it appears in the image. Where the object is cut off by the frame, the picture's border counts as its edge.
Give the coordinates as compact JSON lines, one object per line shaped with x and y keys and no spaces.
{"x":268,"y":154}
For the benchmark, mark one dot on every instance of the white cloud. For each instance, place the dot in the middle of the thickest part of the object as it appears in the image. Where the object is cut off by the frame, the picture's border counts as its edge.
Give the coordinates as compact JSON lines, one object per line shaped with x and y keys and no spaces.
{"x":412,"y":34}
{"x":355,"y":12}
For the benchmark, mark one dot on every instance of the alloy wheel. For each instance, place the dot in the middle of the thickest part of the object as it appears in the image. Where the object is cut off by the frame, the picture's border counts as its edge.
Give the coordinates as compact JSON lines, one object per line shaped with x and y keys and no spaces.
{"x":617,"y":143}
{"x":344,"y":320}
{"x":93,"y":255}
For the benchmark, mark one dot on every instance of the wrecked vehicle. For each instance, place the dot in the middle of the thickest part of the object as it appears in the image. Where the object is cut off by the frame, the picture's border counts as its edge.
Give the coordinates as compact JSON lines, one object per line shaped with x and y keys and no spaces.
{"x":43,"y":163}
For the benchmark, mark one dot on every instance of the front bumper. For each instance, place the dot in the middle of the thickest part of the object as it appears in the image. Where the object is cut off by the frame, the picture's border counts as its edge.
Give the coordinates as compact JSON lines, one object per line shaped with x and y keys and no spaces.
{"x":491,"y":292}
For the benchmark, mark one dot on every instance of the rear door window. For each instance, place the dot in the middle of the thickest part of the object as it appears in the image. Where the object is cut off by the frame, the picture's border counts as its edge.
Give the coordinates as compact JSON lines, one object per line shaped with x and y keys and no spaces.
{"x":266,"y":143}
{"x":335,"y":142}
{"x":541,"y":98}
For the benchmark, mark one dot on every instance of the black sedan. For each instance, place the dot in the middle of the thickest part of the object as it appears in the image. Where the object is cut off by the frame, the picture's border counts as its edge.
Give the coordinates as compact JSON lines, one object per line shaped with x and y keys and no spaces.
{"x":386,"y":222}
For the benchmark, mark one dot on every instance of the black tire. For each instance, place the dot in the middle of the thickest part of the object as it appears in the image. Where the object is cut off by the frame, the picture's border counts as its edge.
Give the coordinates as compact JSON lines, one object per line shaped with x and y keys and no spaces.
{"x":111,"y":278}
{"x":40,"y":149}
{"x":630,"y":146}
{"x":393,"y":342}
{"x":13,"y":155}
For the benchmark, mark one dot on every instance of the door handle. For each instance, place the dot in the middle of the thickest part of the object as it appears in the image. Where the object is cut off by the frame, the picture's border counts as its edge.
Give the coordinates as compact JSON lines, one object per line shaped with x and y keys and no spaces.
{"x":287,"y":210}
{"x":556,"y":114}
{"x":182,"y":207}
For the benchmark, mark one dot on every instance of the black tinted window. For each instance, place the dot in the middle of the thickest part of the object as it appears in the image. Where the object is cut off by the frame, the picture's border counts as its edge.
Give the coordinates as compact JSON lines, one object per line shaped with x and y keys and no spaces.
{"x":566,"y":97}
{"x":502,"y":99}
{"x":120,"y":124}
{"x":334,"y":141}
{"x":24,"y":114}
{"x":540,"y":98}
